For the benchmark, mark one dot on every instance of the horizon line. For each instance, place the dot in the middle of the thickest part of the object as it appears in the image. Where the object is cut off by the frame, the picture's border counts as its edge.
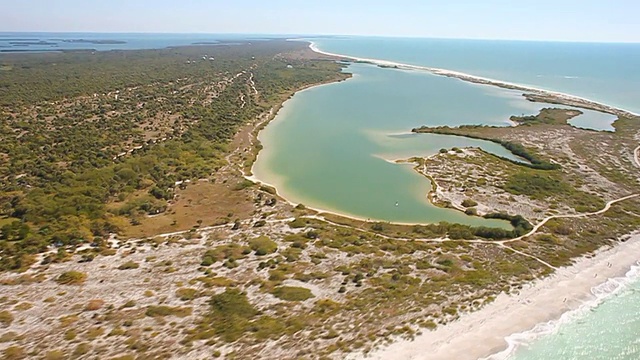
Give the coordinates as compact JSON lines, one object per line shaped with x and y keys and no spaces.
{"x":302,"y":35}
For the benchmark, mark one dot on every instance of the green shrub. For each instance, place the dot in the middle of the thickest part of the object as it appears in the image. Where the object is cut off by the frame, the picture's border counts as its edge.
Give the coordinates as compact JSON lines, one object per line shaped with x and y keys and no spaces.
{"x":163,"y":310}
{"x":55,"y":355}
{"x":71,"y":278}
{"x":70,"y":335}
{"x":536,"y":186}
{"x":14,"y":353}
{"x":243,"y":185}
{"x":81,"y":349}
{"x":186,"y":294}
{"x":291,"y":254}
{"x":230,"y":314}
{"x":471,"y":211}
{"x":129,"y":304}
{"x":298,"y":223}
{"x":469,"y":203}
{"x":231,"y":252}
{"x":263,"y":245}
{"x":129,"y":265}
{"x":547,"y":238}
{"x":6,"y":318}
{"x":292,"y":293}
{"x":268,"y":189}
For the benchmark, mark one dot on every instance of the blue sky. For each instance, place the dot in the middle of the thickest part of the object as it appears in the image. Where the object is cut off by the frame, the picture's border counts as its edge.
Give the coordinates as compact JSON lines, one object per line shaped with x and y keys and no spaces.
{"x":568,"y":20}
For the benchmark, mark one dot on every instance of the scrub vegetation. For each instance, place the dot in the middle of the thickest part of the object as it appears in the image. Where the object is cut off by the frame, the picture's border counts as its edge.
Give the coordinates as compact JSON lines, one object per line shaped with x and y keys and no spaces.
{"x":128,"y":229}
{"x":93,"y":143}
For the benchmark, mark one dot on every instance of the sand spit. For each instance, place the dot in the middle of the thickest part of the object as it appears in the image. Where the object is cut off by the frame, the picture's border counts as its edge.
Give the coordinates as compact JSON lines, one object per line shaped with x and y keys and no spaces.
{"x":531,"y":93}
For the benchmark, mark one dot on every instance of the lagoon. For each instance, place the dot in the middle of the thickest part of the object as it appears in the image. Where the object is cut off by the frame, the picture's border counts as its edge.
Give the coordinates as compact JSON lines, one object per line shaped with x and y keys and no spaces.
{"x":332,"y":147}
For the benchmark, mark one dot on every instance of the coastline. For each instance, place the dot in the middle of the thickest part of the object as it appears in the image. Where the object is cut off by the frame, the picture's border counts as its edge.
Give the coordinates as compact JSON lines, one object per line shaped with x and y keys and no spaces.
{"x":529,"y":92}
{"x":537,"y":95}
{"x":495,"y":331}
{"x":251,"y":175}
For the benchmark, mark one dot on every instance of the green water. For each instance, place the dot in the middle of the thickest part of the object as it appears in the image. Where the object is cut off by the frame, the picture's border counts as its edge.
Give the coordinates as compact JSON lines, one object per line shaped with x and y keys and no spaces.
{"x":330,"y":146}
{"x":608,"y":328}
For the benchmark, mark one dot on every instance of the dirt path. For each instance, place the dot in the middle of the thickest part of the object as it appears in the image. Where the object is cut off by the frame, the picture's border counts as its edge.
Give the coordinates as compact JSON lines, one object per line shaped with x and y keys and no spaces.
{"x":502,"y":243}
{"x":573,"y":216}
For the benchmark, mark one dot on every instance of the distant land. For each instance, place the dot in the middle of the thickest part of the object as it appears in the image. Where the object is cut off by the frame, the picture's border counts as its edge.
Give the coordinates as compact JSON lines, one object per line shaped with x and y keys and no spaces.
{"x":135,"y":223}
{"x":98,"y":42}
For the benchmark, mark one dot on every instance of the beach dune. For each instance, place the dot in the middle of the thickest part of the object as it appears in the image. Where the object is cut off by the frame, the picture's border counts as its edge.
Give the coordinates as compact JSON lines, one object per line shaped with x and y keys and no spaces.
{"x":491,"y":333}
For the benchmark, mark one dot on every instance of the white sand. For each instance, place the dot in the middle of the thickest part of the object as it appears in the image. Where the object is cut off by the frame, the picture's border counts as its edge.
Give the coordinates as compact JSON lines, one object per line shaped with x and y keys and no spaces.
{"x":482,"y":333}
{"x":566,"y":99}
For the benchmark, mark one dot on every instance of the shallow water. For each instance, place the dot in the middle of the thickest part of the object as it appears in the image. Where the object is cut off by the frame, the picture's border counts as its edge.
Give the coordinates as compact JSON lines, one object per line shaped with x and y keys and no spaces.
{"x":330,"y":147}
{"x":609,"y":327}
{"x":602,"y":72}
{"x":608,"y":331}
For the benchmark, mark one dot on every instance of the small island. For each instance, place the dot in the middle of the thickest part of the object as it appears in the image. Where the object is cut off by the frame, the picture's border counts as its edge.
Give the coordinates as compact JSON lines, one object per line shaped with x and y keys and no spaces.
{"x":95,"y":41}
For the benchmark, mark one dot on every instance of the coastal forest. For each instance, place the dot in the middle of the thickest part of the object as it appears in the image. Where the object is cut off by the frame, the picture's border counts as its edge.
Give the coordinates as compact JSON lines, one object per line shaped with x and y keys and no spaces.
{"x":131,"y":228}
{"x":93,"y":141}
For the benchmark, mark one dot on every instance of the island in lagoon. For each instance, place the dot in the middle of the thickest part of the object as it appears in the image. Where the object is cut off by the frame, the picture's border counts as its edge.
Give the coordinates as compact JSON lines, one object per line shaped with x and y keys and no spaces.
{"x":154,"y":236}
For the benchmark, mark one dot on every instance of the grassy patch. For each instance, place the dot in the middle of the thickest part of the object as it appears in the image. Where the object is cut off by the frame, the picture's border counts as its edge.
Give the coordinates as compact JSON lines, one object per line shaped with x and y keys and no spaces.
{"x":292,"y":293}
{"x":263,"y":245}
{"x":14,"y":353}
{"x":536,"y":186}
{"x":129,"y":265}
{"x":71,"y":278}
{"x":230,"y":314}
{"x":549,"y":185}
{"x":186,"y":294}
{"x":230,"y":252}
{"x":548,"y":117}
{"x":163,"y":310}
{"x":6,"y":318}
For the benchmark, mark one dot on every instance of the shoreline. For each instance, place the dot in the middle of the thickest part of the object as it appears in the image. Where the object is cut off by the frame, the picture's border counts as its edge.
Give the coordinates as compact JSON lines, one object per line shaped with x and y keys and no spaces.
{"x":251,"y":175}
{"x":531,"y":93}
{"x":495,"y":331}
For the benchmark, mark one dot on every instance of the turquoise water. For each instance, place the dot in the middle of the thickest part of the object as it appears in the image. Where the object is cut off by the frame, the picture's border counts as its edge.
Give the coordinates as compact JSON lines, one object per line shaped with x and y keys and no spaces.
{"x":602,"y":72}
{"x":331,"y":147}
{"x":607,"y":329}
{"x":36,"y":41}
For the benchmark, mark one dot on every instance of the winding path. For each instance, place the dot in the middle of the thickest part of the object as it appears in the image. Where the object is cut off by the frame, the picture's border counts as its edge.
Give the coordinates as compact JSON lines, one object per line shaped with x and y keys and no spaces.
{"x":573,"y":216}
{"x":502,"y":243}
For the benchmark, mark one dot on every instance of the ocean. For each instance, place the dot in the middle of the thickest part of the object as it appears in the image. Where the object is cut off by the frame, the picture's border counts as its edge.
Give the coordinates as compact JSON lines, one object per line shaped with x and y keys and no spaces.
{"x":608,"y":326}
{"x":332,"y":146}
{"x":605,"y":73}
{"x":604,"y":328}
{"x":42,"y":42}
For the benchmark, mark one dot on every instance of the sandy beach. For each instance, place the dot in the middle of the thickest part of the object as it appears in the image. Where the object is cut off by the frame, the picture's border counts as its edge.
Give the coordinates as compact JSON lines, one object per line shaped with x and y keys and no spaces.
{"x":532,"y":93}
{"x":481,"y":334}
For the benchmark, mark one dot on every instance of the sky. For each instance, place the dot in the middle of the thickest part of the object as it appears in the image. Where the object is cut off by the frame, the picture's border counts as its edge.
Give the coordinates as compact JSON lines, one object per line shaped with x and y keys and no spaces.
{"x":557,"y":20}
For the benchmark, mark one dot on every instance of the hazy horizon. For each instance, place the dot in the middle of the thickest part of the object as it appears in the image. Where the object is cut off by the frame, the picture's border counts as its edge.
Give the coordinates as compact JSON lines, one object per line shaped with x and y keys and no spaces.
{"x":294,"y":36}
{"x":544,"y":20}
